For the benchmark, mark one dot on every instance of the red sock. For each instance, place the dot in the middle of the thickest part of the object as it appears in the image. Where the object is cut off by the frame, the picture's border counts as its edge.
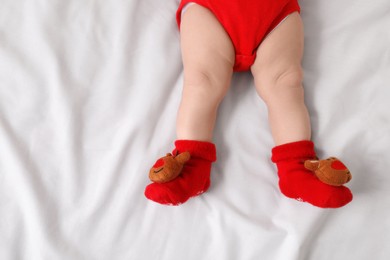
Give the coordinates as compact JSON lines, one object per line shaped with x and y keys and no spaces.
{"x":194,"y":178}
{"x":296,"y":182}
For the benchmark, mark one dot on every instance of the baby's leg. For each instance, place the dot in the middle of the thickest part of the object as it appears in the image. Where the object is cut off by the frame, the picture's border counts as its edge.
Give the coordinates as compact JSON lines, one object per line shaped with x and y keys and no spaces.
{"x":208,"y":59}
{"x":278,"y":79}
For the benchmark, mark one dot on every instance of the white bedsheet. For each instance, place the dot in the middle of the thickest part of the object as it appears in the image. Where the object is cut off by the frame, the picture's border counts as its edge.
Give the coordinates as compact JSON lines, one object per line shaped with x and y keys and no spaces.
{"x":88,"y":97}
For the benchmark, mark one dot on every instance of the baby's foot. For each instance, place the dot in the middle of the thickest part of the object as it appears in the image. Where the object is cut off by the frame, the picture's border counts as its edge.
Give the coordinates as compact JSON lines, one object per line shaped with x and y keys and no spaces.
{"x":299,"y":183}
{"x":194,"y":178}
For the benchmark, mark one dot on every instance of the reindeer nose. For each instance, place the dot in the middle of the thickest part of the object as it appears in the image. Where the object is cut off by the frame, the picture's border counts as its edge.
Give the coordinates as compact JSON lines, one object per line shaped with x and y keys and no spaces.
{"x":337,"y":165}
{"x":159,"y":163}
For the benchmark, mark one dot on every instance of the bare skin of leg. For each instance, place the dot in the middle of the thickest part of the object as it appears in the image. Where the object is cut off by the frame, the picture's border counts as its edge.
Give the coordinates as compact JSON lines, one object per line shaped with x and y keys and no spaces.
{"x":208,"y":59}
{"x":278,"y":79}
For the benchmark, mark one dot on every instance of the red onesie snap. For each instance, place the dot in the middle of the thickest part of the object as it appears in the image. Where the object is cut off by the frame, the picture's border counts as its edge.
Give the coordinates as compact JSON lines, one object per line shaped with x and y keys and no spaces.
{"x":247,"y":22}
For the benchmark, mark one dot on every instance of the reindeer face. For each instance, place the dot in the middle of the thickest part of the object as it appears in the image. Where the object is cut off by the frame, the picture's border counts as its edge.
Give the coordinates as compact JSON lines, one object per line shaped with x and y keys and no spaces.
{"x":168,"y":168}
{"x":330,"y":171}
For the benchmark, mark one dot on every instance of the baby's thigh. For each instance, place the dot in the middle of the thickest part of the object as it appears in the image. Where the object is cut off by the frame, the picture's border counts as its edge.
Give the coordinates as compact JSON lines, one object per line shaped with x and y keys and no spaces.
{"x":282,"y":49}
{"x":206,"y":47}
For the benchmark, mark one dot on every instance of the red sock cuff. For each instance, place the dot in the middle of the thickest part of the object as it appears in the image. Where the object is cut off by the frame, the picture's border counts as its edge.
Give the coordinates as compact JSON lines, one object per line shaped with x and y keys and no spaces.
{"x":296,"y":150}
{"x":204,"y":150}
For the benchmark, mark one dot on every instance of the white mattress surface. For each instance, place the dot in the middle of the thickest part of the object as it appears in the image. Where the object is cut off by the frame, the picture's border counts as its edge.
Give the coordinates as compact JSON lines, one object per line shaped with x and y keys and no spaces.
{"x":88,"y":97}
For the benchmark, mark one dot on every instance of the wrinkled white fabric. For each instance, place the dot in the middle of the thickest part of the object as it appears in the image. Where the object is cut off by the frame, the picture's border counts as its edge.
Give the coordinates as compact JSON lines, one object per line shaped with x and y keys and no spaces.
{"x":88,"y":97}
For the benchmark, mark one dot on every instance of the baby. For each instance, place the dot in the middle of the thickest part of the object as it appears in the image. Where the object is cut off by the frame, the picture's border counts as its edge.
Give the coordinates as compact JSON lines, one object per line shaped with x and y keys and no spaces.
{"x":219,"y":37}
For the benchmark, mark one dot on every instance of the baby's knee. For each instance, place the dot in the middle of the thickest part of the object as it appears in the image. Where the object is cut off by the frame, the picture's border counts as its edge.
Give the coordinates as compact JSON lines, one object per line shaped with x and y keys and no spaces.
{"x":204,"y":86}
{"x":278,"y":84}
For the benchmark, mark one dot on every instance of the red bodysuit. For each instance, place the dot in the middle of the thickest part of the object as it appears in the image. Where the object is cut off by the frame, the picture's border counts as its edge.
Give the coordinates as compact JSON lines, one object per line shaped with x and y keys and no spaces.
{"x":247,"y":22}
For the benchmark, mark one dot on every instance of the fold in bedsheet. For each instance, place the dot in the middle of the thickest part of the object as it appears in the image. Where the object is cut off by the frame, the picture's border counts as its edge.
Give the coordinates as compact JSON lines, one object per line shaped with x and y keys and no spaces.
{"x":88,"y":97}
